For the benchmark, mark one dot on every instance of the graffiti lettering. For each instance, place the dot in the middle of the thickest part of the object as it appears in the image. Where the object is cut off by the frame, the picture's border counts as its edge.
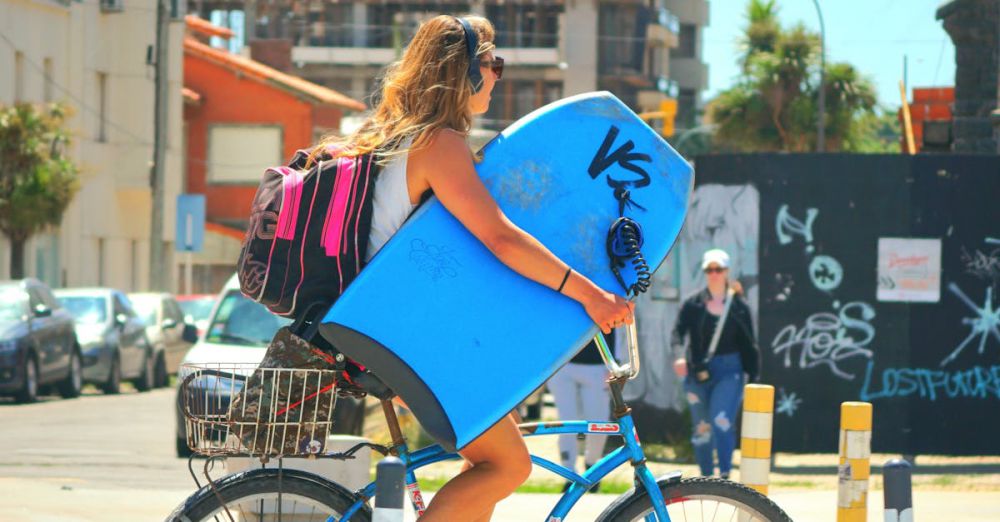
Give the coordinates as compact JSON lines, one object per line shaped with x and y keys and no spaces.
{"x":624,"y":157}
{"x":985,"y":323}
{"x":433,"y":260}
{"x":787,"y":226}
{"x":827,"y":339}
{"x":978,"y":382}
{"x":825,"y":273}
{"x":787,"y":403}
{"x":982,"y":265}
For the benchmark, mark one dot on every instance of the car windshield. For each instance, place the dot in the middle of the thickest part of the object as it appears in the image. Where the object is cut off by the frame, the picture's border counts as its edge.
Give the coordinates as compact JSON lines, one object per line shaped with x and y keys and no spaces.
{"x":88,"y":309}
{"x":197,"y":309}
{"x":145,"y":307}
{"x":242,"y":321}
{"x":11,"y":304}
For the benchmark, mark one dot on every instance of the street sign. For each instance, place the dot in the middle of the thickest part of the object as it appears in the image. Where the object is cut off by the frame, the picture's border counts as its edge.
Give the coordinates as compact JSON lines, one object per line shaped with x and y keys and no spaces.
{"x":190,"y":231}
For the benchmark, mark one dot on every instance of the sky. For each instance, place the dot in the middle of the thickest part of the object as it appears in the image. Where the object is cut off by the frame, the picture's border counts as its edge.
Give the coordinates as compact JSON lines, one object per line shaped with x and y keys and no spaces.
{"x":872,"y":35}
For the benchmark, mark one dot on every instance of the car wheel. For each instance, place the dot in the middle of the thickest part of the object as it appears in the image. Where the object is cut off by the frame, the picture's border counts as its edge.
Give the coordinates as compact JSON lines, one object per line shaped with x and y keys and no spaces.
{"x":71,"y":387}
{"x":113,"y":385}
{"x":160,"y":377}
{"x":29,"y":388}
{"x":145,"y":381}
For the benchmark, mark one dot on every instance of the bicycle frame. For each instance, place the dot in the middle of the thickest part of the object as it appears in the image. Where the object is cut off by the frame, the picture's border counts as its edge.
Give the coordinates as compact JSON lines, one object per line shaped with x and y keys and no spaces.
{"x":622,"y":426}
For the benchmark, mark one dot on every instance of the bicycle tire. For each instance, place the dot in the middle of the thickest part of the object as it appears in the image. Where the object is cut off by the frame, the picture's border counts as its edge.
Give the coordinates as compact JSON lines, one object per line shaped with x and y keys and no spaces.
{"x":258,"y":489}
{"x":727,"y":498}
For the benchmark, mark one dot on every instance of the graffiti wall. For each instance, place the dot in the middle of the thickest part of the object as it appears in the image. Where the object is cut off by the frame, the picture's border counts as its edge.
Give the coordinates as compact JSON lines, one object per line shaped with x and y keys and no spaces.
{"x":912,"y":326}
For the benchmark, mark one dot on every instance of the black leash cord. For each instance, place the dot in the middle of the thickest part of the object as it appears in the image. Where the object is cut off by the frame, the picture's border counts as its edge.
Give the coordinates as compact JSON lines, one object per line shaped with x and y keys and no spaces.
{"x":624,"y":245}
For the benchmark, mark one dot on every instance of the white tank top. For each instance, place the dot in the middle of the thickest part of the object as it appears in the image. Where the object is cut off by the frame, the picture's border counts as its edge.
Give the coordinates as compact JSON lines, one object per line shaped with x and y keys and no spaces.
{"x":390,"y":202}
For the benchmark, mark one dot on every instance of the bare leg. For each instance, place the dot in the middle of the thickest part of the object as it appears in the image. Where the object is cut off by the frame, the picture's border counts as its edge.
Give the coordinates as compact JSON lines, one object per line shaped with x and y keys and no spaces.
{"x":496,"y":464}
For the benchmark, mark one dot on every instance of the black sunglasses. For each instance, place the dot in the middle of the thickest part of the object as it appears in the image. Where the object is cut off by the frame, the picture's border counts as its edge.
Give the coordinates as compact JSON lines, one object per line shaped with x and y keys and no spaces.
{"x":714,"y":270}
{"x":495,"y":65}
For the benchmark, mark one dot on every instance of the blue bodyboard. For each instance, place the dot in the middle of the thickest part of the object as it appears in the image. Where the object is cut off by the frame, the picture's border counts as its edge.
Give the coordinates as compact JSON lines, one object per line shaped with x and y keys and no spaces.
{"x":461,"y":337}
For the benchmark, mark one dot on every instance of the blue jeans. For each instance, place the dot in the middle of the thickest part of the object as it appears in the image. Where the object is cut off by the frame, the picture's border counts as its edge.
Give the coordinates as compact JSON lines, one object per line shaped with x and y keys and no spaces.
{"x":713,"y":412}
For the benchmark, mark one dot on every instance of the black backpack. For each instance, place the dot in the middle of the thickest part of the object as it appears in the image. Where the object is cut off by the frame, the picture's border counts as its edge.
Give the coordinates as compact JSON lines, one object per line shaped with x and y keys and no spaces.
{"x":308,"y":232}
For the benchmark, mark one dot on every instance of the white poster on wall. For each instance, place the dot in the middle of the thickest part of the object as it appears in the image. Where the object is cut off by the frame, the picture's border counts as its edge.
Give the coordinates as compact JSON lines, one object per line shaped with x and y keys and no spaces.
{"x":909,"y":269}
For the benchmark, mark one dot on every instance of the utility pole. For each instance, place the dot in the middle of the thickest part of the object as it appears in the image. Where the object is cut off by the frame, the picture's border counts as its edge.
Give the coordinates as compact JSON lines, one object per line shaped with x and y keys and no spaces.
{"x":157,"y":261}
{"x":820,"y":126}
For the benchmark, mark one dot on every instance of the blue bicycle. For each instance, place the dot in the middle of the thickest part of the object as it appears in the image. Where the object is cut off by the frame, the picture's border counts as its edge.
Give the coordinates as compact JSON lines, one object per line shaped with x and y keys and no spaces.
{"x":288,"y":494}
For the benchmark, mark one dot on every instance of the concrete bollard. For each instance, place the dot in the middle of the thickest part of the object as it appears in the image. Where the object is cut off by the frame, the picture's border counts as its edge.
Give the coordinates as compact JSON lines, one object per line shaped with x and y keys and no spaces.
{"x":755,"y":436}
{"x":390,"y":475}
{"x":855,"y":466}
{"x":898,"y":491}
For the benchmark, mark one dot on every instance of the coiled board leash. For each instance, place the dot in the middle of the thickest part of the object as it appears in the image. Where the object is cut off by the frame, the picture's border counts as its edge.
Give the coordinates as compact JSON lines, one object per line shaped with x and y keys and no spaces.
{"x":624,"y":246}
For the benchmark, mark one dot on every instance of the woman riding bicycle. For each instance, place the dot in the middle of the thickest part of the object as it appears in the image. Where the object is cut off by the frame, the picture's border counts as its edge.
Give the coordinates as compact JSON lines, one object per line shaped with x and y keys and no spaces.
{"x":419,"y":129}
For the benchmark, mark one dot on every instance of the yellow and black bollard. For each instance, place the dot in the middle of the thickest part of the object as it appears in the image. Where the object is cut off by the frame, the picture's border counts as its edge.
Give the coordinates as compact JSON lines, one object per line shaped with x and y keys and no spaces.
{"x":855,"y":457}
{"x":755,"y":436}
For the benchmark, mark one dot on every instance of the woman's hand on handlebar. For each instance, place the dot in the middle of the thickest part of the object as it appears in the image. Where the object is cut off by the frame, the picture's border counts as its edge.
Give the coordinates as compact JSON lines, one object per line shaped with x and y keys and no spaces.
{"x":609,"y":311}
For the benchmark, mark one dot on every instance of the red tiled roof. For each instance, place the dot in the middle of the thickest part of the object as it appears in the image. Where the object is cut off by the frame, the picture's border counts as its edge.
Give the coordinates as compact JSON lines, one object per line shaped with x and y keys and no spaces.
{"x":225,"y":231}
{"x":264,"y":74}
{"x":202,"y":26}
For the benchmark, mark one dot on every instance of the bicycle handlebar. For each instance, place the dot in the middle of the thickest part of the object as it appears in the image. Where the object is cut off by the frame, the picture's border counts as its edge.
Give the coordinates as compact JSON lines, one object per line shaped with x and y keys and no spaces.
{"x":630,"y":369}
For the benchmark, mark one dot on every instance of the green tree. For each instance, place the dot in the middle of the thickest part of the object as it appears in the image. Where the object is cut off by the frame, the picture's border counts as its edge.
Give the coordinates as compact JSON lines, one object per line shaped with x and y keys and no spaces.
{"x":773,"y":107}
{"x":37,"y":179}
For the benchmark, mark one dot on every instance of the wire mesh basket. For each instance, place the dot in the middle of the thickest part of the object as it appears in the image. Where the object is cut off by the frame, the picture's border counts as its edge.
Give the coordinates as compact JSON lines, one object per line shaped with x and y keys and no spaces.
{"x":240,"y":409}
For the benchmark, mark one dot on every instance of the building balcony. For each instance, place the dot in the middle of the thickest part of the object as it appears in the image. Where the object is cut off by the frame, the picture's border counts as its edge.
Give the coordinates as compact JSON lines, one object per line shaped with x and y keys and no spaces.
{"x":691,"y":73}
{"x":519,"y":56}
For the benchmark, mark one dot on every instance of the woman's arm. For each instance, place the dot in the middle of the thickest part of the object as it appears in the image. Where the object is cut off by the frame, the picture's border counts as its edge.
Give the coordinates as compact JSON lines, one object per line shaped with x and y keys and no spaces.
{"x":678,"y":339}
{"x":749,"y":351}
{"x":446,"y":166}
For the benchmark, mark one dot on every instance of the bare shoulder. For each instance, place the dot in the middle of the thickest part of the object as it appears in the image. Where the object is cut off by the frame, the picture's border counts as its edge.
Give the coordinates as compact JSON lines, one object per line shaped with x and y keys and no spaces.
{"x":445,"y":151}
{"x":444,"y":144}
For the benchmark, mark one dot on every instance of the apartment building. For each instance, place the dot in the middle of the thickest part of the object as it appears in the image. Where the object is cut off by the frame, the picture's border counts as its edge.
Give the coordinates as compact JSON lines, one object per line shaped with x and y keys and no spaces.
{"x":552,"y":48}
{"x":92,"y":56}
{"x":686,"y":65}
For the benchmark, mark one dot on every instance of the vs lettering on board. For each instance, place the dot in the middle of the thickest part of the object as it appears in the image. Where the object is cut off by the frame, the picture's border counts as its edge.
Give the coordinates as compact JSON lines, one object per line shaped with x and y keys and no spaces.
{"x":625,"y":158}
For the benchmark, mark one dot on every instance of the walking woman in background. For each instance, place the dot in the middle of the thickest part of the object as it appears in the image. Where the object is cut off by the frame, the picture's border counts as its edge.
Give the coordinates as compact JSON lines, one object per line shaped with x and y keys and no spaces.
{"x":721,"y":348}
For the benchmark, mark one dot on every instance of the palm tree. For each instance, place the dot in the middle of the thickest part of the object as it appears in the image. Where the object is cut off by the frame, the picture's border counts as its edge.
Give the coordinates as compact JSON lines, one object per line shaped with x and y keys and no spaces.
{"x":773,"y":106}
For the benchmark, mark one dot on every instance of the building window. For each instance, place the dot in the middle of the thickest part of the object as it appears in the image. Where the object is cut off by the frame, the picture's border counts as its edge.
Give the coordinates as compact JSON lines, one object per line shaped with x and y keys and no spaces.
{"x":393,"y":24}
{"x":515,"y":99}
{"x":621,"y":39}
{"x":525,"y":24}
{"x":102,"y":107}
{"x":234,"y":21}
{"x":239,"y":153}
{"x":686,"y":42}
{"x":47,"y":88}
{"x":18,"y":76}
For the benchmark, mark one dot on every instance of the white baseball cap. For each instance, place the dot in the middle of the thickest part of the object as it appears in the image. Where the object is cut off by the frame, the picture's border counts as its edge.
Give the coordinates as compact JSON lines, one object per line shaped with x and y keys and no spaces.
{"x":715,"y":255}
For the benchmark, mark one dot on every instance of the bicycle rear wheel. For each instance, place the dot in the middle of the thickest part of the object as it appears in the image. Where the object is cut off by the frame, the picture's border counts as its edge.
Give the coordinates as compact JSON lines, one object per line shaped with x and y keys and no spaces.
{"x":701,"y":499}
{"x":254,"y":495}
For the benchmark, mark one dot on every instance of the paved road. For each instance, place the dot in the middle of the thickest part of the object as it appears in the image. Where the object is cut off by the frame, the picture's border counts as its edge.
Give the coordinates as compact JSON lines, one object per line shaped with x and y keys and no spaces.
{"x":111,"y":458}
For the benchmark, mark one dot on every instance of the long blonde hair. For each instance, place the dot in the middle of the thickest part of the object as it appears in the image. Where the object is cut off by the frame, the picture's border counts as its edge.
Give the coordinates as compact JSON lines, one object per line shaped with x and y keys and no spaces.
{"x":426,"y":90}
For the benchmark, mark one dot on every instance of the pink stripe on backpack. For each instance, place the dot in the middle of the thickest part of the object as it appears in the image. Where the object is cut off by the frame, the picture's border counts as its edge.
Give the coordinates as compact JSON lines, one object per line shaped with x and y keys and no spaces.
{"x":288,"y":216}
{"x":338,"y":208}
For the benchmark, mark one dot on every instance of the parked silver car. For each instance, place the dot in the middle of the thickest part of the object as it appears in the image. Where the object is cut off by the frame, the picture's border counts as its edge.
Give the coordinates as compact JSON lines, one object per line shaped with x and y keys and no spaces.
{"x":166,"y":329}
{"x":113,"y":338}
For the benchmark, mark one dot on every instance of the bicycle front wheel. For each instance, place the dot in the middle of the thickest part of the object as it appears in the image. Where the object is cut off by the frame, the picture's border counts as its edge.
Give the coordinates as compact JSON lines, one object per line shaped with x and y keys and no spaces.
{"x":701,"y":499}
{"x":261,"y":495}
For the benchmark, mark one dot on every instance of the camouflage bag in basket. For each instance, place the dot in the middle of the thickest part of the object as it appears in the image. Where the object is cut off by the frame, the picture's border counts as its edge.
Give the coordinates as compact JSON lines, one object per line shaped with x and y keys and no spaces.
{"x":286,"y":405}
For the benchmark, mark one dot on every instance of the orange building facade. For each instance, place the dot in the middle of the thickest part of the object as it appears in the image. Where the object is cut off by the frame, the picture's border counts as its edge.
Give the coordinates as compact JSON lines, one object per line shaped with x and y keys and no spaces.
{"x":240,"y":117}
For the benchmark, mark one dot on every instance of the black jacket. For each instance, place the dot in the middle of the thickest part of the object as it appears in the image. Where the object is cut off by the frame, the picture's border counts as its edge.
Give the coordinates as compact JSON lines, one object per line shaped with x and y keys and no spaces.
{"x":695,"y":324}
